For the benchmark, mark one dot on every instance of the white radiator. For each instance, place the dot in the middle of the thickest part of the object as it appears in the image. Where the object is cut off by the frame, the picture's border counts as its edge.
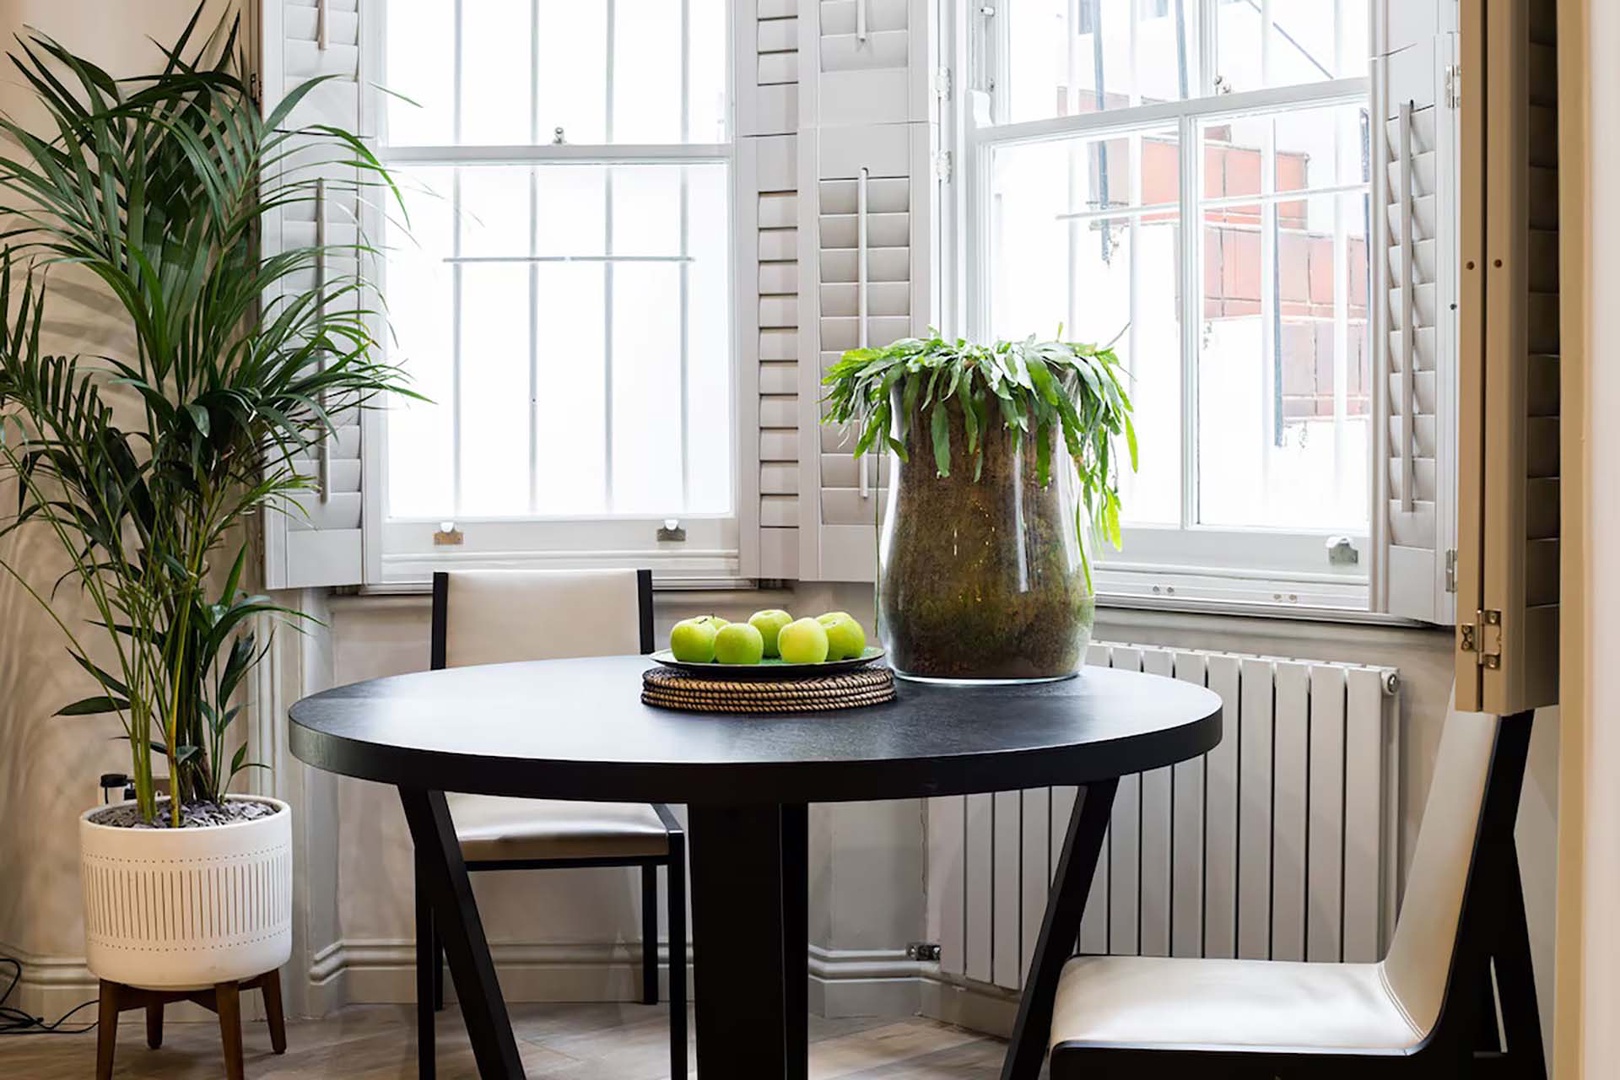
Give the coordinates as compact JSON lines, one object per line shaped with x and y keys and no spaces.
{"x":1279,"y":844}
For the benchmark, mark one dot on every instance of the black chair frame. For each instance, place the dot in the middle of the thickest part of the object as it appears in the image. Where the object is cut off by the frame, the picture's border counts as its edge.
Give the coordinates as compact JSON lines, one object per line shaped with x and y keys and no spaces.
{"x":430,"y":950}
{"x":1489,"y":1024}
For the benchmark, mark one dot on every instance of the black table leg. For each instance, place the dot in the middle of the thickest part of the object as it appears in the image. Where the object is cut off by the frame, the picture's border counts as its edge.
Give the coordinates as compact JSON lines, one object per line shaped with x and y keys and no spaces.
{"x":750,"y":939}
{"x":455,"y":920}
{"x":1060,"y":929}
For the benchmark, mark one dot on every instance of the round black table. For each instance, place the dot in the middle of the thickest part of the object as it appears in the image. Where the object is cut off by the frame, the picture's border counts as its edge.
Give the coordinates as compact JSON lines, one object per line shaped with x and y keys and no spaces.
{"x":576,"y":729}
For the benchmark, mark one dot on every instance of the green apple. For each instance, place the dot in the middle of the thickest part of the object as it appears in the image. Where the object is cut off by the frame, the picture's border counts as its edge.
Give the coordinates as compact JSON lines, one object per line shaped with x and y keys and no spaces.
{"x":692,"y":640}
{"x":739,"y":643}
{"x":845,"y":637}
{"x":803,"y":641}
{"x":833,"y":616}
{"x":769,"y":623}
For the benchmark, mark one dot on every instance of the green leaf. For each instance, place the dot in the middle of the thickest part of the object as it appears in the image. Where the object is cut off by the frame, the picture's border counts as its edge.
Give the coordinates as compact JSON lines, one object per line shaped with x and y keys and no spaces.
{"x":941,"y":431}
{"x":93,"y":706}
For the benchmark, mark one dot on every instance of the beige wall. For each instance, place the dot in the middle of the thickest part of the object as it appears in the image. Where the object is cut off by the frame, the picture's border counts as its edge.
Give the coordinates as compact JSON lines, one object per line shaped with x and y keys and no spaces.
{"x":49,"y":766}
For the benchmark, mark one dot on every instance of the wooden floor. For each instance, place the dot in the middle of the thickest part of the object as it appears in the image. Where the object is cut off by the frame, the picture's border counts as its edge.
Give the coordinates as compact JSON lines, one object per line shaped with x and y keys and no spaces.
{"x":565,"y":1042}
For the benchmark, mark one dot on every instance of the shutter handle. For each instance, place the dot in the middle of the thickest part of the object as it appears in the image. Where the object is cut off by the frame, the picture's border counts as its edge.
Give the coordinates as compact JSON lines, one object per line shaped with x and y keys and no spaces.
{"x":860,"y":22}
{"x":1408,"y":307}
{"x":860,"y":292}
{"x":323,"y":34}
{"x":323,"y":448}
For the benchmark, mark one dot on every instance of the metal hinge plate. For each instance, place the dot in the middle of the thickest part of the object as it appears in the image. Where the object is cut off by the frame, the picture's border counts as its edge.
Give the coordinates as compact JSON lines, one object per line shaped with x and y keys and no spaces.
{"x":942,"y":166}
{"x":942,"y":83}
{"x":1453,"y":85}
{"x":1451,"y":570}
{"x":1483,"y":638}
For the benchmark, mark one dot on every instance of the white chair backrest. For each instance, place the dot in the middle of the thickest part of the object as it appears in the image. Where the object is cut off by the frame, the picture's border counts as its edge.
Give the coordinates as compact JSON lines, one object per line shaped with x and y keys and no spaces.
{"x":498,"y":616}
{"x":1420,"y":955}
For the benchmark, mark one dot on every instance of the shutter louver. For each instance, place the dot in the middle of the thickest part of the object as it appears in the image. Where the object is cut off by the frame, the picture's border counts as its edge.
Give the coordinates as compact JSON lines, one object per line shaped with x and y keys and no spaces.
{"x":1415,"y":190}
{"x":320,"y":542}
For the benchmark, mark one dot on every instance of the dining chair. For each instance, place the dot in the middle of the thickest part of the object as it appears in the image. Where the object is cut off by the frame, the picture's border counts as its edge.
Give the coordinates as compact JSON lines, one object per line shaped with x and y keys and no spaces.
{"x":499,"y":616}
{"x":1431,"y":1008}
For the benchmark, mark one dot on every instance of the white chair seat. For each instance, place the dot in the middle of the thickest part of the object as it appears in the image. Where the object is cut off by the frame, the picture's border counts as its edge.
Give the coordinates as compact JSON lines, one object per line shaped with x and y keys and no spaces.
{"x":493,"y":828}
{"x":1228,"y":1005}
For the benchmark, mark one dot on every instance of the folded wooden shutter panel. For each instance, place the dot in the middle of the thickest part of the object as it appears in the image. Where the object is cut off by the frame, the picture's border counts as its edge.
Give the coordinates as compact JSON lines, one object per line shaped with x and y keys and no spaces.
{"x":1415,"y":188}
{"x":1508,"y":552}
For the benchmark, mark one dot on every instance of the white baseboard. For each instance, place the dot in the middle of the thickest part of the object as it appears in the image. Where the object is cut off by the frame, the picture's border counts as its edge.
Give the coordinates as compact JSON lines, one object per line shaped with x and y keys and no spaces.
{"x":971,"y":1005}
{"x":385,"y":971}
{"x":843,"y":982}
{"x":864,"y":982}
{"x":50,"y":985}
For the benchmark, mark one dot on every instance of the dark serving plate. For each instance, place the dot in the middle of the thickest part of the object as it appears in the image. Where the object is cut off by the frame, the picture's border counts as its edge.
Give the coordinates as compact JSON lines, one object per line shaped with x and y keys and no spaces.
{"x":768,"y":669}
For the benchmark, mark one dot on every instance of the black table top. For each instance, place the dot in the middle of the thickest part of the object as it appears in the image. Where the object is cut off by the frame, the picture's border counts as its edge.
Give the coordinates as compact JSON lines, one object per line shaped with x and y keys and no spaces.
{"x":576,"y":729}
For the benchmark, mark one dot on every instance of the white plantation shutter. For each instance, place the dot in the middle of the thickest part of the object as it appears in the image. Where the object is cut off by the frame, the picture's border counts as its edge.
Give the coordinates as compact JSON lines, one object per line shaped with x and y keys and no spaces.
{"x":769,"y":284}
{"x":1415,"y":195}
{"x":868,"y":126}
{"x":320,"y":543}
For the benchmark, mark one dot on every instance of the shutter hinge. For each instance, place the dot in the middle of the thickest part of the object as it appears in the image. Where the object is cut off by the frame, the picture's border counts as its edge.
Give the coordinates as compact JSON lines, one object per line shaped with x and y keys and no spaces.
{"x":253,"y":88}
{"x":1451,"y":570}
{"x":1483,"y":638}
{"x":942,"y":83}
{"x":1453,"y":85}
{"x":942,"y":166}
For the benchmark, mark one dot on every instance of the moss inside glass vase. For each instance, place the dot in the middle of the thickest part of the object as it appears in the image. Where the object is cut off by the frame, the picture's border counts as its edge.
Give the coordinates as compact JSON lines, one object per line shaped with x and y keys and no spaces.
{"x":982,"y":576}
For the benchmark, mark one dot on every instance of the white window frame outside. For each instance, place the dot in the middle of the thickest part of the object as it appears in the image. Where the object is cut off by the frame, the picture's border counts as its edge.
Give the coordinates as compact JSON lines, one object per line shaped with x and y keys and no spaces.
{"x":1189,"y":565}
{"x":404,"y":552}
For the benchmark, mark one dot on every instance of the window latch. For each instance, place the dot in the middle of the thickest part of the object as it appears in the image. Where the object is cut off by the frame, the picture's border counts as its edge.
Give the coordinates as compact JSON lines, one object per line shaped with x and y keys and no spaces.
{"x":448,"y":535}
{"x":671,"y":532}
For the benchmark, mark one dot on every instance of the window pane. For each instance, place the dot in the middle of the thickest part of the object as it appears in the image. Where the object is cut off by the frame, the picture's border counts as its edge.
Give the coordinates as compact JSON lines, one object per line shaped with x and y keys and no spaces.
{"x":494,"y":389}
{"x":1066,"y":57}
{"x":1283,"y":391}
{"x":1289,"y":42}
{"x":1064,"y":255}
{"x":419,"y":290}
{"x":630,"y":311}
{"x":421,"y":73}
{"x":584,"y":73}
{"x":496,"y":76}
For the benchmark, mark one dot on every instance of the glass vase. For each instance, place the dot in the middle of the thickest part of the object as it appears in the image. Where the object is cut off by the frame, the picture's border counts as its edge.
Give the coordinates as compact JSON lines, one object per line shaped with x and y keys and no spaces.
{"x":982,"y":578}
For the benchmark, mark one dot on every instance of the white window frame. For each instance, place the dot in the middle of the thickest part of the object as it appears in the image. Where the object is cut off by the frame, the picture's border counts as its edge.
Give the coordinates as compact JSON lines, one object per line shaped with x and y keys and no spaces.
{"x":401,"y":553}
{"x":1189,"y":564}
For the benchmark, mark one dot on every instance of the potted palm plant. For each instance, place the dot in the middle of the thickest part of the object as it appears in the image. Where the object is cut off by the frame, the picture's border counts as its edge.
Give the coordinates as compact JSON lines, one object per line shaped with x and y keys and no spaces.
{"x":1004,"y":464}
{"x":151,"y":467}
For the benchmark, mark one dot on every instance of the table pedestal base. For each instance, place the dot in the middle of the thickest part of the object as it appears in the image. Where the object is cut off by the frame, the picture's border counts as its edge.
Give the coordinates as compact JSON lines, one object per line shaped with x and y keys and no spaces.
{"x":750,"y":928}
{"x":750,"y":933}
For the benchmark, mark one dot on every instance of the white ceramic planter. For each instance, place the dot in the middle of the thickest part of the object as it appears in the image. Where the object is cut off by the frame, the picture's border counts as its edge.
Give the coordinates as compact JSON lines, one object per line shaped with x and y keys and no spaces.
{"x":187,"y":908}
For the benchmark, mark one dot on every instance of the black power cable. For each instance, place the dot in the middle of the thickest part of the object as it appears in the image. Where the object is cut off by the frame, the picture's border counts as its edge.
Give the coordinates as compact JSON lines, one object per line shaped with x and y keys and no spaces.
{"x":14,"y":1021}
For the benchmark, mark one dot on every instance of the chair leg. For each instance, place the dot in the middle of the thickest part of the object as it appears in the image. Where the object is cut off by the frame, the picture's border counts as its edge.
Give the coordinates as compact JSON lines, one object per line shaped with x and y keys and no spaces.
{"x":677,"y":956}
{"x":154,"y":1024}
{"x":649,"y":934}
{"x":106,"y":1030}
{"x":274,"y":1015}
{"x":1516,"y":984}
{"x":428,"y":958}
{"x":228,"y":1002}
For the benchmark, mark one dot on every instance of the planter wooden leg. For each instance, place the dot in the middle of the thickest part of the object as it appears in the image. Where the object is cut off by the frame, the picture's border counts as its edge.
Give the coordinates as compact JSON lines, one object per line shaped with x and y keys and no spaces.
{"x":106,"y":1030}
{"x":154,"y":1024}
{"x":273,"y":1014}
{"x":228,"y":1003}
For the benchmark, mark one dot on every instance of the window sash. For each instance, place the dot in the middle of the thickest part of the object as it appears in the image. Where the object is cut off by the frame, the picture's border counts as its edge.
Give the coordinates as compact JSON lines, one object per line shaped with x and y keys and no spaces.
{"x":1263,"y":565}
{"x":408,"y":548}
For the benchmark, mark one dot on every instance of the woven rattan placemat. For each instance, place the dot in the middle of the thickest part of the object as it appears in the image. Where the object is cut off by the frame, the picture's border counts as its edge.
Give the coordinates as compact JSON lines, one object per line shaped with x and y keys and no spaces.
{"x":849,"y":690}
